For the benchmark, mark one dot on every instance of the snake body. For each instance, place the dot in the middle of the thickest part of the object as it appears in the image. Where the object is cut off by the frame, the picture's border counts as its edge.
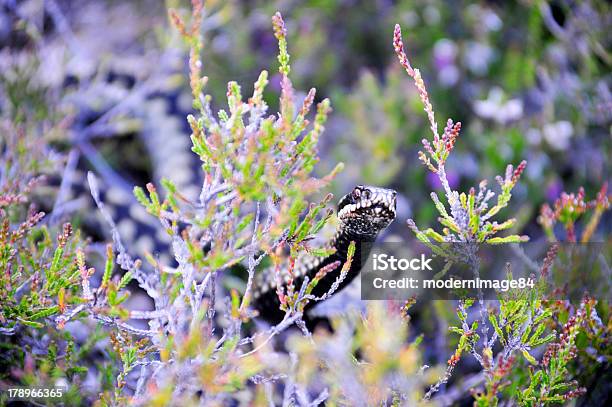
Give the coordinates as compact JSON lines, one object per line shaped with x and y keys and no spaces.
{"x":362,"y":215}
{"x":160,"y":148}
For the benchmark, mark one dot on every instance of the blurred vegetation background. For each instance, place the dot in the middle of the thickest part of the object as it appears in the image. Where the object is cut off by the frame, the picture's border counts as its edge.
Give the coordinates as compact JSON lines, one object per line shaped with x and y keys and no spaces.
{"x":528,"y":80}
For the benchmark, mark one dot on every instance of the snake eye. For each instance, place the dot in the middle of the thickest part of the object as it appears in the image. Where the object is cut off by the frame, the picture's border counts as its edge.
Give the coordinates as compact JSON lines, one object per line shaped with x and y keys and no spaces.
{"x":367,"y":194}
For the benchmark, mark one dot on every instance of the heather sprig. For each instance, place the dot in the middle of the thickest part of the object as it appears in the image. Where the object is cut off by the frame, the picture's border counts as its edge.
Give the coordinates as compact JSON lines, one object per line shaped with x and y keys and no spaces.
{"x":469,"y":217}
{"x":254,"y":159}
{"x":569,"y":208}
{"x":42,"y":273}
{"x":551,"y":384}
{"x":280,"y":32}
{"x":37,"y":262}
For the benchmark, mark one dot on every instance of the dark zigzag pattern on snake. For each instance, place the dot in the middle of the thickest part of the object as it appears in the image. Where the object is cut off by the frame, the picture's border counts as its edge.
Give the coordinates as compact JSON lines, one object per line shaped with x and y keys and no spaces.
{"x":362,"y":215}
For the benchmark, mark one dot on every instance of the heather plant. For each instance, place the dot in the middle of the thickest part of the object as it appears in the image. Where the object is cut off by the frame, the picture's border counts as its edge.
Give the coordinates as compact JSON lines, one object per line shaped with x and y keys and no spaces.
{"x":42,"y":269}
{"x":469,"y":218}
{"x":518,"y":323}
{"x":569,"y":208}
{"x":583,"y":347}
{"x":41,"y":262}
{"x":252,"y":204}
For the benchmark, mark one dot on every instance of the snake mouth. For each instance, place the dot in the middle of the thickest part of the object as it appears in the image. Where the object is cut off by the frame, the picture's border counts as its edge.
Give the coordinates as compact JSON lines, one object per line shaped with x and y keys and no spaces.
{"x":380,"y":203}
{"x":363,"y":213}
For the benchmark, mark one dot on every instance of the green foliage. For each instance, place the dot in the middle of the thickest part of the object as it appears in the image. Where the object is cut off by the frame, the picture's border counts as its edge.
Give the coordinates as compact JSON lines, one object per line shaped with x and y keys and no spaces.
{"x":42,"y":272}
{"x":469,"y":216}
{"x":258,"y":159}
{"x":35,"y":266}
{"x":379,"y":132}
{"x":550,"y":384}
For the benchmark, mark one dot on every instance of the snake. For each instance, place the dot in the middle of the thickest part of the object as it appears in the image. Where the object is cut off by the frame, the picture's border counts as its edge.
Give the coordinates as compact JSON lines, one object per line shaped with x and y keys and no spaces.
{"x":362,"y":215}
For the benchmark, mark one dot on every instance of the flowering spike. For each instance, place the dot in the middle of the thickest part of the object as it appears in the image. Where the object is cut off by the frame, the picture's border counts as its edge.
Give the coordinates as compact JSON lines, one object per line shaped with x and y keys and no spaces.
{"x":280,"y":32}
{"x":519,"y":170}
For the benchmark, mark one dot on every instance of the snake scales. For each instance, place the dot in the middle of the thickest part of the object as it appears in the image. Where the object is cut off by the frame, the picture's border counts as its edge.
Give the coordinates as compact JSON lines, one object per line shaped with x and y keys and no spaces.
{"x":362,"y":214}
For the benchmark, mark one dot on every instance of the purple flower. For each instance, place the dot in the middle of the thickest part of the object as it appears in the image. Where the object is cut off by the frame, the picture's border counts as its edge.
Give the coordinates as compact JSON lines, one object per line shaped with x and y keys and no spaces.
{"x":434,"y":181}
{"x":275,"y":82}
{"x":553,"y":190}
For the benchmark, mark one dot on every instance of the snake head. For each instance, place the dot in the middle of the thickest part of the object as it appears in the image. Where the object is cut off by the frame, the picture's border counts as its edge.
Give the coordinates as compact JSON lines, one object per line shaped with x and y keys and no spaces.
{"x":367,"y":210}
